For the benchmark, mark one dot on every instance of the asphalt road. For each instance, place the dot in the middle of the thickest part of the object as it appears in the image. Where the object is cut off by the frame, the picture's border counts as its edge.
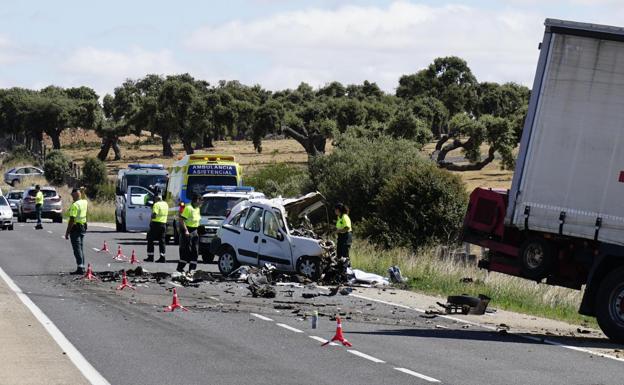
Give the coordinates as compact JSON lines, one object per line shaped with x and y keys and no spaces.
{"x":230,"y":338}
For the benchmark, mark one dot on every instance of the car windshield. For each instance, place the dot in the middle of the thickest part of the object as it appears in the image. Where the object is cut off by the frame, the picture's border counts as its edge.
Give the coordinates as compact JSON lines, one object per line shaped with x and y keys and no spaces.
{"x":3,"y":202}
{"x":46,"y":193}
{"x":14,"y":195}
{"x":218,"y":206}
{"x":197,"y":184}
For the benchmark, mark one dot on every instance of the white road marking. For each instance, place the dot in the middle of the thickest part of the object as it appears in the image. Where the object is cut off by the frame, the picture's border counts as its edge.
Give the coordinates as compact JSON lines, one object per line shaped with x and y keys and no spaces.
{"x":49,"y":232}
{"x":87,"y":370}
{"x":22,"y":225}
{"x":214,"y":299}
{"x":261,"y":317}
{"x":416,"y":374}
{"x":96,"y":249}
{"x":323,"y":340}
{"x":366,"y":356}
{"x":492,"y":328}
{"x":292,"y":329}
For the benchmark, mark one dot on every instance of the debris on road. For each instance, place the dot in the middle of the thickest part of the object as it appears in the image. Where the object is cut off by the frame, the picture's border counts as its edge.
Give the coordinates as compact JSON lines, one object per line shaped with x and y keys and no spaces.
{"x":358,"y":276}
{"x":395,"y":275}
{"x":465,"y":304}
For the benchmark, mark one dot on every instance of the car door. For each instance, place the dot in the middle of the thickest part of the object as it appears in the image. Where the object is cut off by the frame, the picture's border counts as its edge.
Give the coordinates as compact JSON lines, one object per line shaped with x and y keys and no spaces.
{"x":249,"y":240}
{"x":138,"y":214}
{"x":274,"y":246}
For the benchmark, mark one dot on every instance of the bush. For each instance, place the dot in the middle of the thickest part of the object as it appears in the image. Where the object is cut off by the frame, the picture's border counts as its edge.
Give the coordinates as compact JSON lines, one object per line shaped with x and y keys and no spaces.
{"x":103,"y":192}
{"x":421,"y":205}
{"x":56,"y":167}
{"x":405,"y":125}
{"x":19,"y":155}
{"x":94,"y":178}
{"x":359,"y":168}
{"x":280,"y":179}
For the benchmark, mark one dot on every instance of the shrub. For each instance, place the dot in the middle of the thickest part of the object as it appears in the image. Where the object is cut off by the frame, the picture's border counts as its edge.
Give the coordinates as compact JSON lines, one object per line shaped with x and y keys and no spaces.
{"x":104,"y":192}
{"x":18,"y":155}
{"x":56,"y":167}
{"x":405,"y":125}
{"x":280,"y":179}
{"x":94,"y":176}
{"x":421,"y":205}
{"x":358,"y":168}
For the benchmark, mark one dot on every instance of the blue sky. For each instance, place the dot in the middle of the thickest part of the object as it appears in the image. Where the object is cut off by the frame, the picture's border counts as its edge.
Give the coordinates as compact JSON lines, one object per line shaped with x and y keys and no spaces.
{"x":275,"y":43}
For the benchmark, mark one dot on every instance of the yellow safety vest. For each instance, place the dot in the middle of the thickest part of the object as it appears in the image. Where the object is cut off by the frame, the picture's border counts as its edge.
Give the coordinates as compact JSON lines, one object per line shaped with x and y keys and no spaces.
{"x":39,"y":198}
{"x":344,"y":221}
{"x":191,"y":216}
{"x":160,"y":209}
{"x":78,"y":210}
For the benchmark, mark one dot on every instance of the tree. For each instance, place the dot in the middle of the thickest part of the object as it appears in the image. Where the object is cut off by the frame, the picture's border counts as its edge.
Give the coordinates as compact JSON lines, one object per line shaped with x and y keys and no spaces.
{"x":448,"y":79}
{"x":267,"y":118}
{"x":404,"y":125}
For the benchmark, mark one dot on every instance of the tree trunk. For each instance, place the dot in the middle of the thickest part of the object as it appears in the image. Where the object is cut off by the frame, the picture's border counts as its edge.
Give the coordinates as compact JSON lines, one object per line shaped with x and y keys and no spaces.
{"x":116,"y":148}
{"x":104,"y":148}
{"x":471,"y":166}
{"x":314,"y":145}
{"x":208,"y":141}
{"x":166,"y":143}
{"x":56,"y":140}
{"x":188,"y":146}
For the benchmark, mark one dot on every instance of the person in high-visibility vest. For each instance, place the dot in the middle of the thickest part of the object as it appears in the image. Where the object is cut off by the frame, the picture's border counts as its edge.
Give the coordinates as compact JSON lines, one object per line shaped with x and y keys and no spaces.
{"x":189,"y":237}
{"x":38,"y":206}
{"x":344,"y":231}
{"x":77,"y":227}
{"x":157,"y":229}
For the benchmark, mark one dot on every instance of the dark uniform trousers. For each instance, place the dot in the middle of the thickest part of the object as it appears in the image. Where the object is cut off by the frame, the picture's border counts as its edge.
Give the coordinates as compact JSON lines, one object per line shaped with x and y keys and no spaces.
{"x":156,"y":234}
{"x":189,"y":249}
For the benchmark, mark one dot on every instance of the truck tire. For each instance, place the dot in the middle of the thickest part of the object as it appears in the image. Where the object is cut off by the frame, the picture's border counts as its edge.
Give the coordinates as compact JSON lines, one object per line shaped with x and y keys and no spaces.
{"x":610,"y":305}
{"x":227,"y":260}
{"x":537,"y":256}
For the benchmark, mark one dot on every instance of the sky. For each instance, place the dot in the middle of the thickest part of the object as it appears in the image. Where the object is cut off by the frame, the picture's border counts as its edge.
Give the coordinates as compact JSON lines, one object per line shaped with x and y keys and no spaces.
{"x":275,"y":43}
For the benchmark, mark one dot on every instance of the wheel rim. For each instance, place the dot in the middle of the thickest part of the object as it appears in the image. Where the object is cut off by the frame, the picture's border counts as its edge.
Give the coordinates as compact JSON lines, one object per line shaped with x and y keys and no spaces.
{"x":308,"y":268}
{"x":226,"y":262}
{"x":534,"y":256}
{"x":616,"y":304}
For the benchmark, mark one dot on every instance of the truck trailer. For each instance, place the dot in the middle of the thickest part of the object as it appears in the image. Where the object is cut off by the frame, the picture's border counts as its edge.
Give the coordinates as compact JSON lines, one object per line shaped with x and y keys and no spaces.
{"x":562,"y":220}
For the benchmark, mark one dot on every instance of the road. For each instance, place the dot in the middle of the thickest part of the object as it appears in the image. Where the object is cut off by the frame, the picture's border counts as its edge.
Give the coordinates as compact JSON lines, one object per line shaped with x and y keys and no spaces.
{"x":228,"y":337}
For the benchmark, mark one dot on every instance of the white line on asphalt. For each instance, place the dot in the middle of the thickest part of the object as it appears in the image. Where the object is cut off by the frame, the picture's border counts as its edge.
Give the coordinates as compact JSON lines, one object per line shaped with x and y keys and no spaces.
{"x":366,"y":356}
{"x":416,"y":374}
{"x":215,"y":299}
{"x":96,"y":249}
{"x":323,"y":340}
{"x":261,"y":317}
{"x":90,"y":373}
{"x":290,"y":328}
{"x":49,"y":232}
{"x":532,"y":338}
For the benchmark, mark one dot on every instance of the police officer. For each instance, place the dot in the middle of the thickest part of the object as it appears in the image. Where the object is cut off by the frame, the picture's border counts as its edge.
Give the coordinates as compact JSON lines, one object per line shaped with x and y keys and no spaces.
{"x":156,"y":232}
{"x":77,"y":227}
{"x":38,"y":206}
{"x":189,"y":237}
{"x":344,"y":230}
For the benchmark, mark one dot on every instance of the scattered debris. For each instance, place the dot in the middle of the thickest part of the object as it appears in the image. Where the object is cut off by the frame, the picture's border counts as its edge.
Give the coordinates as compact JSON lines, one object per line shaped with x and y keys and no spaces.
{"x":264,"y":291}
{"x":280,"y":306}
{"x":358,"y":276}
{"x":466,"y":280}
{"x":428,"y":316}
{"x":346,"y":291}
{"x":465,"y":304}
{"x":583,"y":331}
{"x":395,"y":275}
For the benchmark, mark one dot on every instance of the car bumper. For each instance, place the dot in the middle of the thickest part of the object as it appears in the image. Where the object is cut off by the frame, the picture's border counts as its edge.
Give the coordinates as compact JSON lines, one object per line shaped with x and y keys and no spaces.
{"x":6,"y":222}
{"x":206,"y":242}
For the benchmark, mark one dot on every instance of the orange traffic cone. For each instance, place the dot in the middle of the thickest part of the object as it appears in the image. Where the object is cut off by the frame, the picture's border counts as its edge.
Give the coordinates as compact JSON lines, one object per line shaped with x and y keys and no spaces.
{"x":89,"y":274}
{"x":133,"y":258}
{"x":339,"y":337}
{"x":104,"y":249}
{"x":119,"y":256}
{"x":175,"y":304}
{"x":124,"y":283}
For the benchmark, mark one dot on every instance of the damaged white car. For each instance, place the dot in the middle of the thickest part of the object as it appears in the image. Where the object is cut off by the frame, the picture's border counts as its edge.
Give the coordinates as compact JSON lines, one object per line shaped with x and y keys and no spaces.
{"x":258,"y":232}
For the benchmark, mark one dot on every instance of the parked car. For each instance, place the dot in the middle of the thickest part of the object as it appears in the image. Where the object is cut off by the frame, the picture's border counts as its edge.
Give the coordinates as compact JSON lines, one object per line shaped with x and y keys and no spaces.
{"x":14,"y":197}
{"x":52,"y":205}
{"x":215,"y":207}
{"x":6,"y":214}
{"x":16,"y":175}
{"x":257,"y":231}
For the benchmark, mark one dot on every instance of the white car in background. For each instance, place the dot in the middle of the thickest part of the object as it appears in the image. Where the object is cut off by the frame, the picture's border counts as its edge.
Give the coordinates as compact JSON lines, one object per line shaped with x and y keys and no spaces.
{"x":6,"y":214}
{"x":257,"y":232}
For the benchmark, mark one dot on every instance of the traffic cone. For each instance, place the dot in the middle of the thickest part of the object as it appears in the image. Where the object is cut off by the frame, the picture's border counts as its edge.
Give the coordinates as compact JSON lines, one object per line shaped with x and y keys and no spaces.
{"x":104,"y":249}
{"x":339,"y":337}
{"x":133,"y":258}
{"x":175,"y":304}
{"x":89,"y":274}
{"x":119,"y":256}
{"x":124,"y":283}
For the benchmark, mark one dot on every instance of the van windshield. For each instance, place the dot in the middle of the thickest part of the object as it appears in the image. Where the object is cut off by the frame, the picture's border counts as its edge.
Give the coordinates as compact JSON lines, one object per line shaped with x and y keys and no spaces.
{"x":197,"y":184}
{"x":218,"y":206}
{"x":146,"y":181}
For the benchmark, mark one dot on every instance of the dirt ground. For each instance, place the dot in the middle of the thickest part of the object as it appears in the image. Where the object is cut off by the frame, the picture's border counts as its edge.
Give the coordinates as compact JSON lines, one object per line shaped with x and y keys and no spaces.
{"x":79,"y":144}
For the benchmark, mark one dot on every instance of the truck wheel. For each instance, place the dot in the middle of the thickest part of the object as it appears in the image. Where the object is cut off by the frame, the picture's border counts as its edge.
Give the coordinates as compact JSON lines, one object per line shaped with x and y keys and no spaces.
{"x":227,"y":261}
{"x":610,"y":305}
{"x":309,"y":267}
{"x":537,"y":257}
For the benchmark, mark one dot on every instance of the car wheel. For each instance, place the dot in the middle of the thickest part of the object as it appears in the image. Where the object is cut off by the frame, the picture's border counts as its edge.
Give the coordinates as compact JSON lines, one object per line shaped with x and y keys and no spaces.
{"x":10,"y":227}
{"x":610,"y":305}
{"x":227,"y":261}
{"x":15,"y":182}
{"x":537,"y":258}
{"x":309,"y":267}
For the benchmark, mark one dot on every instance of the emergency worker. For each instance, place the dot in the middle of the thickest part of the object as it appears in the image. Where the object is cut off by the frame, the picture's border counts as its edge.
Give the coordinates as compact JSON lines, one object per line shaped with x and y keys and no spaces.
{"x":189,"y":237}
{"x":344,"y":231}
{"x":77,"y":227}
{"x":157,"y":229}
{"x":38,"y":206}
